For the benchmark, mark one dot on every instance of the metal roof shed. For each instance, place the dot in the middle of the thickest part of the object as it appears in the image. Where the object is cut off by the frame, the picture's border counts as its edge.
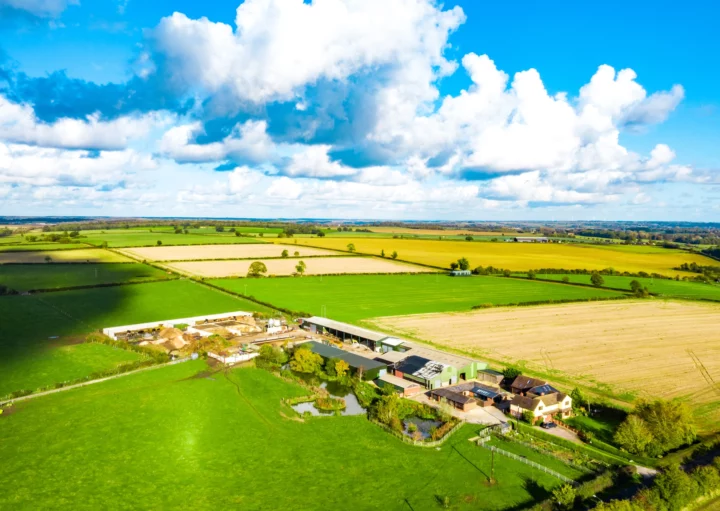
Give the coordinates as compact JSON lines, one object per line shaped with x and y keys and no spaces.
{"x":371,"y":368}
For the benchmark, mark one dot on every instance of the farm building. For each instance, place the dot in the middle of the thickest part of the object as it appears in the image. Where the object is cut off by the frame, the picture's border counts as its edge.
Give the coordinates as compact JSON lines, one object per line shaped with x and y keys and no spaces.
{"x":123,"y":332}
{"x":530,"y":239}
{"x":429,"y":373}
{"x":371,"y":369}
{"x":490,"y":376}
{"x":457,"y":400}
{"x":343,"y":331}
{"x":542,"y":407}
{"x":403,"y":387}
{"x":460,"y":273}
{"x":392,"y":357}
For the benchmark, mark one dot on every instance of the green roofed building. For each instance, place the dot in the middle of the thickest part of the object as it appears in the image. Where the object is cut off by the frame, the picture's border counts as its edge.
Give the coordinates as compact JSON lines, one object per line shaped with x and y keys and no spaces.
{"x":372,"y":369}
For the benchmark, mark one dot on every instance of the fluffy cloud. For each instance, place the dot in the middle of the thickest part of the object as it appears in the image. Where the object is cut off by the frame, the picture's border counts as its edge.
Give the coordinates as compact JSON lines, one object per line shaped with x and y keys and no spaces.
{"x":40,"y":8}
{"x":281,"y":46}
{"x":40,"y":167}
{"x":19,"y":124}
{"x":247,"y":141}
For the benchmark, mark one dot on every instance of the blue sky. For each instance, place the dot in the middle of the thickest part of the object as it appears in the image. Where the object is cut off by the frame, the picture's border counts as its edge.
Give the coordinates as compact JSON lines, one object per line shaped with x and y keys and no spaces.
{"x":360,"y":109}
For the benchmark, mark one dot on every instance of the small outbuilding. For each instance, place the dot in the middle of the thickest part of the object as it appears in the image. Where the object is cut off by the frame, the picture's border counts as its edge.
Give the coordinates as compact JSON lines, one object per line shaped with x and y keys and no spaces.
{"x":403,"y":387}
{"x":460,"y":273}
{"x":457,"y":400}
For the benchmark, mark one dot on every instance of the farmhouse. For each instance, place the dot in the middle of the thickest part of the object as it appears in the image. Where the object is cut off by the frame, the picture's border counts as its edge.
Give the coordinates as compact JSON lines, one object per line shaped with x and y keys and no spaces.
{"x":542,"y":407}
{"x":371,"y":369}
{"x":403,"y":387}
{"x":523,"y":384}
{"x":460,"y":273}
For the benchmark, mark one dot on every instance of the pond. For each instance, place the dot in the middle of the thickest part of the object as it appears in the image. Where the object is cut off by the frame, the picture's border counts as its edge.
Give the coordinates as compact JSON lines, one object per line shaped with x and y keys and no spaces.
{"x":352,"y":407}
{"x":423,"y":426}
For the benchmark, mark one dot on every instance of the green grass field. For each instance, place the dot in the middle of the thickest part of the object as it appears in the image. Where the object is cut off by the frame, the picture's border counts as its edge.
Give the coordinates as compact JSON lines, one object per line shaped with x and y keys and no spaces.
{"x":64,"y":363}
{"x":123,"y":238}
{"x":543,"y":459}
{"x":25,"y":247}
{"x":176,"y":438}
{"x":33,"y":328}
{"x":52,"y":276}
{"x":662,"y":287}
{"x":356,"y":297}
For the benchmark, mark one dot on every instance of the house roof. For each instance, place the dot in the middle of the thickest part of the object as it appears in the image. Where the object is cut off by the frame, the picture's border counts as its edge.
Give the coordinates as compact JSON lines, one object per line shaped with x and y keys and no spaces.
{"x":353,"y":360}
{"x":524,"y":402}
{"x":346,"y":328}
{"x":451,"y":396}
{"x":392,"y":341}
{"x":421,"y":367}
{"x":485,"y":392}
{"x":526,"y":383}
{"x":398,"y":382}
{"x":543,"y":390}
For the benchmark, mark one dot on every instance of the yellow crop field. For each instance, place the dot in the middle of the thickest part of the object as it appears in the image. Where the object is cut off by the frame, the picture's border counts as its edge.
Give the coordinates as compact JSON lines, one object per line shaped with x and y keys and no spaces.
{"x":439,"y":232}
{"x":649,"y":348}
{"x":91,"y":255}
{"x":521,"y":256}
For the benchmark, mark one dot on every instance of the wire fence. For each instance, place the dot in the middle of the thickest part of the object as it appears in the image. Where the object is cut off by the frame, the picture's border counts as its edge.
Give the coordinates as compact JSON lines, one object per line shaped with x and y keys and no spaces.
{"x":528,"y":462}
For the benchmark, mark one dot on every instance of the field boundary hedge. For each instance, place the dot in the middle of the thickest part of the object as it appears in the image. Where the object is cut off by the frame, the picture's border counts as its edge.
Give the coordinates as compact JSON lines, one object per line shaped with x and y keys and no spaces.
{"x":550,"y":302}
{"x":178,"y":245}
{"x":253,"y":299}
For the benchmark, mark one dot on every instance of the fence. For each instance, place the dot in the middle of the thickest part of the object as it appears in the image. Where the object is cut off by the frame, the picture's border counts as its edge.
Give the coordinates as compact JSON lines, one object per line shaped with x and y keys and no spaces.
{"x":420,"y":443}
{"x":528,"y":462}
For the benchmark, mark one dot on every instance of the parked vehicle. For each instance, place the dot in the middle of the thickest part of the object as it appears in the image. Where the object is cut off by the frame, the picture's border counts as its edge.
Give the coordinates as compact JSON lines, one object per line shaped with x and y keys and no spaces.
{"x":548,"y":425}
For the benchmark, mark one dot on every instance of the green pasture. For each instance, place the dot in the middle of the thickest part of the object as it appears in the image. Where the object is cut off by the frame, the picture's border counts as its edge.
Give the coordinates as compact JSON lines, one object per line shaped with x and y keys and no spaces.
{"x":24,"y":277}
{"x":662,"y":287}
{"x":26,"y":247}
{"x":357,"y":297}
{"x":33,"y":328}
{"x":63,"y":363}
{"x":180,"y":437}
{"x":123,"y":238}
{"x":543,"y":459}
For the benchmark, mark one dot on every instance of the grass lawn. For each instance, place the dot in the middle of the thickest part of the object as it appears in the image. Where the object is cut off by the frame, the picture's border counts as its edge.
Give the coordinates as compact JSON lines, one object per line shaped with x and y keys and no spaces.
{"x":64,"y":363}
{"x":522,"y":256}
{"x":50,"y":276}
{"x":545,"y":460}
{"x":175,"y":439}
{"x":662,"y":287}
{"x":145,"y":238}
{"x":602,"y":424}
{"x":29,"y":325}
{"x":354,"y":297}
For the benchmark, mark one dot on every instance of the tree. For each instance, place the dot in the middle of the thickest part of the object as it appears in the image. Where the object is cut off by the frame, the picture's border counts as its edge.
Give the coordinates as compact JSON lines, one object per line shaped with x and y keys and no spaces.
{"x":531,"y":275}
{"x":285,"y":253}
{"x":670,"y":422}
{"x":510,"y":373}
{"x":394,"y":255}
{"x":564,"y":496}
{"x":321,"y":234}
{"x":341,"y":368}
{"x":506,"y":273}
{"x":463,"y":263}
{"x":596,"y":279}
{"x":257,"y":269}
{"x":528,"y":417}
{"x":633,"y":435}
{"x":566,"y":279}
{"x":382,"y":253}
{"x":272,"y":355}
{"x":351,"y":247}
{"x":676,"y":487}
{"x":48,"y":259}
{"x":305,"y":361}
{"x":454,"y":266}
{"x":330,"y":366}
{"x":159,"y":243}
{"x":300,"y":267}
{"x":237,"y":233}
{"x":219,"y":228}
{"x":468,"y":238}
{"x":297,"y":253}
{"x":578,"y":399}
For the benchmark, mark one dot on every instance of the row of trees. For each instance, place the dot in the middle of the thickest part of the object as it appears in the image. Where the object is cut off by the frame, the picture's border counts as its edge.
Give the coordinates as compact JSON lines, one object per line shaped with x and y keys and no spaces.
{"x":258,"y":269}
{"x":460,"y":264}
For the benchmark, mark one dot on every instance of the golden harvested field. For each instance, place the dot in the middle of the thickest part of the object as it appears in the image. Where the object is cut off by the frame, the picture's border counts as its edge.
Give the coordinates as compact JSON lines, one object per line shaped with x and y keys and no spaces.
{"x":91,"y":255}
{"x":521,"y":256}
{"x":634,"y":346}
{"x":315,"y":266}
{"x":240,"y":251}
